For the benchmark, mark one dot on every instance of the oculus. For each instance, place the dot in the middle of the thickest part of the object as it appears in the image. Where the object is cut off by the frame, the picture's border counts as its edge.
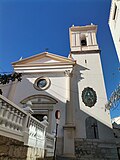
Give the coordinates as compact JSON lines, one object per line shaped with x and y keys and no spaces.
{"x":42,"y":83}
{"x":89,"y":97}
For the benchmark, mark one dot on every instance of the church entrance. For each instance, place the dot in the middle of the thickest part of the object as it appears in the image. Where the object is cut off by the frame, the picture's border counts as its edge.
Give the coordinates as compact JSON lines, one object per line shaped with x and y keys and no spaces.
{"x":42,"y":105}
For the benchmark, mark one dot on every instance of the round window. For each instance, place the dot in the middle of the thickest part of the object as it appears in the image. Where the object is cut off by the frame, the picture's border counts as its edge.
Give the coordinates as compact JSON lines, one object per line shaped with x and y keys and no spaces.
{"x":42,"y":83}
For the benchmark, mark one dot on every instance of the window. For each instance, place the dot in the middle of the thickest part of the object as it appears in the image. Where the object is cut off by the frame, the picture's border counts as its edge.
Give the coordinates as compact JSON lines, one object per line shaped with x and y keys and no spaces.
{"x":42,"y":83}
{"x":115,"y":11}
{"x":91,"y":128}
{"x":83,"y":40}
{"x":78,"y":39}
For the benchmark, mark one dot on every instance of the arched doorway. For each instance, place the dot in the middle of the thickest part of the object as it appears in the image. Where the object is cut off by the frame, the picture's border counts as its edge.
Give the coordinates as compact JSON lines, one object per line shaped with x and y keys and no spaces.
{"x":42,"y":105}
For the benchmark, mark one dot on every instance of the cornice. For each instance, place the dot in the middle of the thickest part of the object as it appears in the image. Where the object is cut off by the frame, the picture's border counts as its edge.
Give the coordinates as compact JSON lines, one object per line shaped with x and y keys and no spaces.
{"x":86,"y":52}
{"x":84,"y":28}
{"x":44,"y":64}
{"x":43,"y":55}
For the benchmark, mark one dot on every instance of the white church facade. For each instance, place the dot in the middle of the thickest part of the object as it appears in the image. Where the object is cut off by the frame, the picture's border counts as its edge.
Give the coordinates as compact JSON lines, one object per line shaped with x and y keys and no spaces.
{"x":74,"y":86}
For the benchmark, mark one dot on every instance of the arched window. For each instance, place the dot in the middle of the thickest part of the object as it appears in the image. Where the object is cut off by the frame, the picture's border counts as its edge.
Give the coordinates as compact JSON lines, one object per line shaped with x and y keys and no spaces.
{"x":83,"y":40}
{"x":91,"y":128}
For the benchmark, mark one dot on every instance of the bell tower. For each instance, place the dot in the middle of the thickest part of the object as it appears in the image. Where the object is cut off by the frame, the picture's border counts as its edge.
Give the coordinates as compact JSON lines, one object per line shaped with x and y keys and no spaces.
{"x":88,"y":94}
{"x":88,"y":77}
{"x":83,"y":38}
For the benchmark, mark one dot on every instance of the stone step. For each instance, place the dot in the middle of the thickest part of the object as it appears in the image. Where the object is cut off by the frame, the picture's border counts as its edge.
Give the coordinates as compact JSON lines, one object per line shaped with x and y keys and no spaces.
{"x":57,"y":158}
{"x":47,"y":158}
{"x":64,"y":158}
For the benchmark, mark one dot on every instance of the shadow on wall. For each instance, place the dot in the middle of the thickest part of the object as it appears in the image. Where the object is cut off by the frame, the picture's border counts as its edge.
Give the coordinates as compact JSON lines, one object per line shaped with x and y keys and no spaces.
{"x":45,"y":103}
{"x":92,"y":124}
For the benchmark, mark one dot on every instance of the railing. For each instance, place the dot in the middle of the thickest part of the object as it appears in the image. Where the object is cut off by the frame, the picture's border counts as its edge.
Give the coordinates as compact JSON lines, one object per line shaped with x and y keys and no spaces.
{"x":36,"y":133}
{"x":12,"y":119}
{"x":19,"y":124}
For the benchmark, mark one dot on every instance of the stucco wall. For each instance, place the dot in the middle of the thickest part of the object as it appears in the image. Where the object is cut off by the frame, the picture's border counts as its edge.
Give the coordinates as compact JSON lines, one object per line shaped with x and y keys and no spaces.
{"x":56,"y":90}
{"x":89,"y":74}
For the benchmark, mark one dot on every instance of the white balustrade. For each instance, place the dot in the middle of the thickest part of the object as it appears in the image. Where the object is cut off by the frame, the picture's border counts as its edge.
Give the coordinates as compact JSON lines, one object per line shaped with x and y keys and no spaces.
{"x":19,"y":124}
{"x":36,"y":133}
{"x":11,"y":119}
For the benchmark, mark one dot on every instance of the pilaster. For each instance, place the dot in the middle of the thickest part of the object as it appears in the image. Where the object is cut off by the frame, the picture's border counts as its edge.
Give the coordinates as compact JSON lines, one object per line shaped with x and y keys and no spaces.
{"x":12,"y":90}
{"x":68,"y":150}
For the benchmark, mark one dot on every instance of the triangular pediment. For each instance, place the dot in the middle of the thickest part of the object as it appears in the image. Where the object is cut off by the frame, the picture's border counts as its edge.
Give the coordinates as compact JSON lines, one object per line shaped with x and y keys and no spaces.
{"x":44,"y":58}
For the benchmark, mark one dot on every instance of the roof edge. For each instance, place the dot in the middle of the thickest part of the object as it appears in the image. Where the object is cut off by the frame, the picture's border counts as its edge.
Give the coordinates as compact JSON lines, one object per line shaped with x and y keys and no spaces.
{"x":42,"y":55}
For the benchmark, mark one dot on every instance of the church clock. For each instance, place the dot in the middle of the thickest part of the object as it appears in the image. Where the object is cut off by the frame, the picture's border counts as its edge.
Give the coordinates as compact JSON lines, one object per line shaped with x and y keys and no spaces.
{"x":89,"y":97}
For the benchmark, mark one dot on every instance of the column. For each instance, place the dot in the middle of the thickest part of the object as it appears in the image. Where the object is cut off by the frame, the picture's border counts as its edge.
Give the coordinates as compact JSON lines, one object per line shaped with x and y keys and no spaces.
{"x":49,"y":128}
{"x":89,"y":38}
{"x":69,"y":108}
{"x":12,"y":90}
{"x":68,"y":150}
{"x":94,"y":38}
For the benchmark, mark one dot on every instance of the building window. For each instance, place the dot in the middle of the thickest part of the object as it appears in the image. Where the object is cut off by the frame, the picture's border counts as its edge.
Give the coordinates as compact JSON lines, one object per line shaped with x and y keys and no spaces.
{"x":91,"y":128}
{"x":42,"y":83}
{"x":78,"y":39}
{"x":83,"y":40}
{"x":115,"y":11}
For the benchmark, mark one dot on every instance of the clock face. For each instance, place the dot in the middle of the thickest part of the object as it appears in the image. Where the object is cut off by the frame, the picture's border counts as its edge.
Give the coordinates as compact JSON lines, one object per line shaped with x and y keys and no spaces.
{"x":89,"y":97}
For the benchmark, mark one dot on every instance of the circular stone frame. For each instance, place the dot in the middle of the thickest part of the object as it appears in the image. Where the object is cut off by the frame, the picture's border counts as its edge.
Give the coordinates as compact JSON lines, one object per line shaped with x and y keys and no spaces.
{"x":40,"y":88}
{"x":89,"y":97}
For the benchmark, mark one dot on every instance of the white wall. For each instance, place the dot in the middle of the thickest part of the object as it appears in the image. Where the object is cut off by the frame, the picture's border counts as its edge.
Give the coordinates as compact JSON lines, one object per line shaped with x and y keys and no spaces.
{"x":56,"y":90}
{"x":114,"y":25}
{"x":5,"y":89}
{"x":89,"y":75}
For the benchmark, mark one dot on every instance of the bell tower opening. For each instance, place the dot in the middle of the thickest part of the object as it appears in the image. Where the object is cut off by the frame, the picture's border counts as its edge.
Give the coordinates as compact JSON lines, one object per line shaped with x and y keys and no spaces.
{"x":83,"y":41}
{"x":83,"y":38}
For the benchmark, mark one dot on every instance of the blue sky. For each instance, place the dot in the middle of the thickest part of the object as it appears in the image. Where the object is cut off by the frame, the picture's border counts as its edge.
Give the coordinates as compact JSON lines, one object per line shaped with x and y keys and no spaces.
{"x":28,"y":27}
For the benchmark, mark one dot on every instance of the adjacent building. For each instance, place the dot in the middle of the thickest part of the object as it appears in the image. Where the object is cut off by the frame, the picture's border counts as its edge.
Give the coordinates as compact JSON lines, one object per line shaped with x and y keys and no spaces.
{"x":114,"y":24}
